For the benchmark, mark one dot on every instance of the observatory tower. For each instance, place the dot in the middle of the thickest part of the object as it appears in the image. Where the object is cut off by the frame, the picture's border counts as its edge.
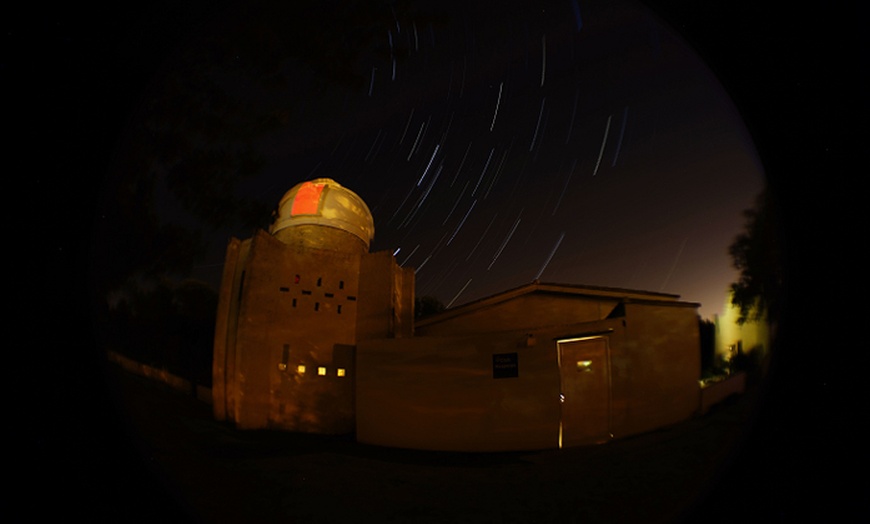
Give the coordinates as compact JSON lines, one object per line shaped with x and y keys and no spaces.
{"x":293,"y":304}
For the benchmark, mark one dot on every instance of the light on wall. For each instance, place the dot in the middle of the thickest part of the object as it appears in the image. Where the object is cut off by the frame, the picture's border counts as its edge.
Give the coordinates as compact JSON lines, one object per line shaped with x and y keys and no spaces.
{"x":584,"y":366}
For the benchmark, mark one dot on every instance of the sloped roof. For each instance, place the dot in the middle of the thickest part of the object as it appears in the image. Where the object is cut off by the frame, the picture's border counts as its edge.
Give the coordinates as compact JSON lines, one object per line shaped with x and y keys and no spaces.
{"x":574,"y":290}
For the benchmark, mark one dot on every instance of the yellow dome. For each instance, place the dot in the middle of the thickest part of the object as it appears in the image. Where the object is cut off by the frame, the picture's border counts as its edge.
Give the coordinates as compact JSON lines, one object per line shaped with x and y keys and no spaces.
{"x":324,"y":202}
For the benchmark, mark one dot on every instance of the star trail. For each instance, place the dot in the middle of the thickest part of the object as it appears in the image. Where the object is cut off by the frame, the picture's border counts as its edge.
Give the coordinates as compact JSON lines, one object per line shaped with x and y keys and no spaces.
{"x":496,"y":144}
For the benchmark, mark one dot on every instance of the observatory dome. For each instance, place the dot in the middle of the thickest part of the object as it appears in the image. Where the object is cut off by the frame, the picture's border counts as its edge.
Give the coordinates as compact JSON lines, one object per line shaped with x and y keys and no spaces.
{"x":322,"y":203}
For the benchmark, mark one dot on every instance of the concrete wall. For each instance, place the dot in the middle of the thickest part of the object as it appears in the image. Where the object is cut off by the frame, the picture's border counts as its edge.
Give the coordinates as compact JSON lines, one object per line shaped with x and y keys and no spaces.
{"x":226,"y":322}
{"x":715,"y":392}
{"x":386,"y":301}
{"x":159,"y":375}
{"x":439,"y":393}
{"x":655,"y":368}
{"x":291,"y":308}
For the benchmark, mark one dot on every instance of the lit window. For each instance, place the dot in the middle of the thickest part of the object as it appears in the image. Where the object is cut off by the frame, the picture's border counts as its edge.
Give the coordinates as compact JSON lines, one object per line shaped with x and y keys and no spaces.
{"x":301,"y":369}
{"x":321,"y":371}
{"x":584,"y":365}
{"x":340,"y":372}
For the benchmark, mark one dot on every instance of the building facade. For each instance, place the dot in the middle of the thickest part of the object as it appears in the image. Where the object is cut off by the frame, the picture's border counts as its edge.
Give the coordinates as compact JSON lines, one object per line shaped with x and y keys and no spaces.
{"x":539,"y":366}
{"x":317,"y":334}
{"x":293,"y":303}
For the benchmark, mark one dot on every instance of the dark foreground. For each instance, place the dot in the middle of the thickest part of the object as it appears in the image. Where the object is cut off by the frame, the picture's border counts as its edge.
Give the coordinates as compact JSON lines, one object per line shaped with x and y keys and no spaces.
{"x":179,"y":465}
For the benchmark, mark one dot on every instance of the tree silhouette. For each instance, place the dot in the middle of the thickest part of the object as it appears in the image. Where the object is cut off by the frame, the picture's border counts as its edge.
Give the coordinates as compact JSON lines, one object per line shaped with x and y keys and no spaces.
{"x":167,"y":325}
{"x":758,"y":254}
{"x":186,"y":161}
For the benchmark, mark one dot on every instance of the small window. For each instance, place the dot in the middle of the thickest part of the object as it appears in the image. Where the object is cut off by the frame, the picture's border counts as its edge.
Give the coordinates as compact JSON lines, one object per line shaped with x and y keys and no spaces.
{"x":584,"y":366}
{"x":351,"y":297}
{"x":321,"y":371}
{"x":328,"y":295}
{"x":340,"y":372}
{"x":285,"y":289}
{"x":301,"y":369}
{"x":306,"y":292}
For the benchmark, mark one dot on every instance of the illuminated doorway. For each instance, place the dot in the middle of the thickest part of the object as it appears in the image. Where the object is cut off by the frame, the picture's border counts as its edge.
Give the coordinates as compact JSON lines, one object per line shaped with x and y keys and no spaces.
{"x":585,"y":378}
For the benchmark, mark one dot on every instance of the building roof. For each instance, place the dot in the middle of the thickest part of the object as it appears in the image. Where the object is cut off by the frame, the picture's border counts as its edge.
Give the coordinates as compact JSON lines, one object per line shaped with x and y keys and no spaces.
{"x":325,"y":202}
{"x":572,"y":290}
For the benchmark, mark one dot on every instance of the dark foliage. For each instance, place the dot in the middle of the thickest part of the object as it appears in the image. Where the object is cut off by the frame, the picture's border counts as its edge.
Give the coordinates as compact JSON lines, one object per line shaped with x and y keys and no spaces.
{"x":168,"y":326}
{"x":186,"y":162}
{"x":758,"y":254}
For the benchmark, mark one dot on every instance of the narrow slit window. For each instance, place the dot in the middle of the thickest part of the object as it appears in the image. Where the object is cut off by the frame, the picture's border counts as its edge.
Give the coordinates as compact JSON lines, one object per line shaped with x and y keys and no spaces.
{"x":338,"y":308}
{"x":341,"y":284}
{"x":306,"y":292}
{"x":294,"y":302}
{"x":328,"y":295}
{"x":317,"y":306}
{"x":319,"y":281}
{"x":296,"y":280}
{"x":285,"y":289}
{"x":351,"y":297}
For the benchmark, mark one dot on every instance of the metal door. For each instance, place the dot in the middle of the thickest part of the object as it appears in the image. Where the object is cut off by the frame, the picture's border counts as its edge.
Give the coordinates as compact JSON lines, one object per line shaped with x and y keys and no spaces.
{"x":585,"y":375}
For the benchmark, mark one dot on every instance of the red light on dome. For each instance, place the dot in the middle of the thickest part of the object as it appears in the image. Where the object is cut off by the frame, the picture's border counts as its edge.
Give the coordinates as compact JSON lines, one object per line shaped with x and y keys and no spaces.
{"x":307,"y":199}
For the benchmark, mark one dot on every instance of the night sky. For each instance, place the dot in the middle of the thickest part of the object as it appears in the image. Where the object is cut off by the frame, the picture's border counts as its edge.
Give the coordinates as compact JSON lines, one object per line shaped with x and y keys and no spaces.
{"x":574,"y":142}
